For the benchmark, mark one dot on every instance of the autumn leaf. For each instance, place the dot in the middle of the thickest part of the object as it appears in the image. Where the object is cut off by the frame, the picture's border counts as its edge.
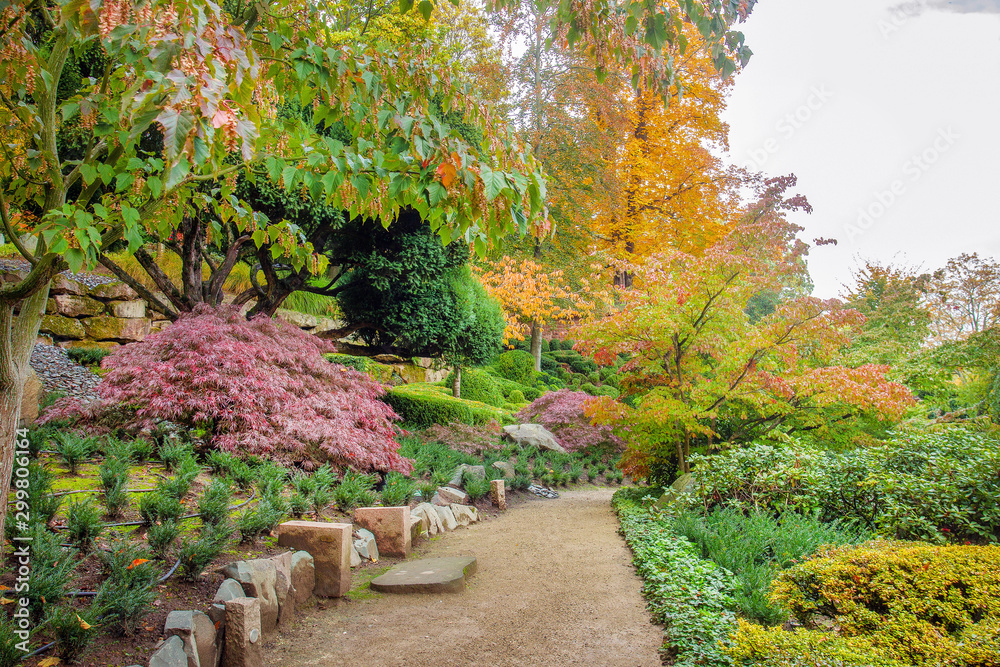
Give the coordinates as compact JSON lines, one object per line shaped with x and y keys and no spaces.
{"x":136,"y":562}
{"x":50,"y":662}
{"x":83,"y":623}
{"x":6,"y":601}
{"x":447,"y":173}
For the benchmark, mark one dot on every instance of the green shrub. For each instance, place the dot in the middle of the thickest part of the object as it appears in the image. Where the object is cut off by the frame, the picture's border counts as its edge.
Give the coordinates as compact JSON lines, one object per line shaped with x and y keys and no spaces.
{"x":39,"y":437}
{"x":10,"y":654}
{"x":546,"y":346}
{"x":361,"y":364}
{"x":72,"y":448}
{"x":156,"y":506}
{"x":161,"y":536}
{"x":142,"y":449}
{"x":350,"y":493}
{"x":475,"y":487}
{"x":397,"y":490}
{"x":690,"y":597}
{"x":42,"y":505}
{"x":480,"y":386}
{"x":186,"y":469}
{"x":916,"y":603}
{"x":114,"y":473}
{"x":51,"y":569}
{"x":195,"y":555}
{"x":220,"y":463}
{"x":214,"y":503}
{"x":173,"y":452}
{"x":754,"y":645}
{"x":242,"y":475}
{"x":422,"y":405}
{"x":517,"y":397}
{"x":549,"y":364}
{"x":271,"y":479}
{"x":366,"y":498}
{"x":515,"y":365}
{"x":127,"y":595}
{"x":72,"y":629}
{"x":754,"y":547}
{"x":298,"y":504}
{"x":87,"y":356}
{"x":427,"y":490}
{"x":259,"y":519}
{"x":320,"y":498}
{"x":83,"y":524}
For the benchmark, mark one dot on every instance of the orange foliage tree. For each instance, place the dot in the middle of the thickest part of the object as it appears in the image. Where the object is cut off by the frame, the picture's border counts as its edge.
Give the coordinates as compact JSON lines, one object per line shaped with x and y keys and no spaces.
{"x":700,"y":366}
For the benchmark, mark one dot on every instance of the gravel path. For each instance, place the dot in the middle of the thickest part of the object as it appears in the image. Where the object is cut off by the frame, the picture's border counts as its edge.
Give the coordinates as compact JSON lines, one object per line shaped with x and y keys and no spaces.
{"x":58,"y":373}
{"x":555,"y":587}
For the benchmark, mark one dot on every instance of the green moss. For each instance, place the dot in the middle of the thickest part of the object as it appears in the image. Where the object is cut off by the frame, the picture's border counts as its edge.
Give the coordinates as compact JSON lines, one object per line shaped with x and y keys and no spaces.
{"x":361,"y":588}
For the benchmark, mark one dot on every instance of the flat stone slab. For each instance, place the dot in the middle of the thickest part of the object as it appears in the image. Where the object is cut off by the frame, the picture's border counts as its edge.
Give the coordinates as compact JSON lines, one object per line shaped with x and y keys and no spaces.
{"x":429,"y":575}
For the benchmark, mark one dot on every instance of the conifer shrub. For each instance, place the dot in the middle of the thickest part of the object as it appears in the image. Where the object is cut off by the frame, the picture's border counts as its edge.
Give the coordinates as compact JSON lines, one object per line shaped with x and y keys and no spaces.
{"x":196,"y":554}
{"x":51,"y":569}
{"x":72,"y":448}
{"x":214,"y":503}
{"x":72,"y":629}
{"x":258,"y":387}
{"x":161,"y":536}
{"x":127,"y":595}
{"x":473,"y":440}
{"x":475,"y":487}
{"x":397,"y":490}
{"x":83,"y":524}
{"x":259,"y":519}
{"x":563,"y":413}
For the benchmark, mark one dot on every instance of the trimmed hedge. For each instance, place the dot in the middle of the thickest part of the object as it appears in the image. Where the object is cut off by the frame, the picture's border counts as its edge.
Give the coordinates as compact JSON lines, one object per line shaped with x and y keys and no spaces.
{"x":515,"y":365}
{"x":425,"y":405}
{"x":478,"y":385}
{"x":915,"y":603}
{"x":381,"y":372}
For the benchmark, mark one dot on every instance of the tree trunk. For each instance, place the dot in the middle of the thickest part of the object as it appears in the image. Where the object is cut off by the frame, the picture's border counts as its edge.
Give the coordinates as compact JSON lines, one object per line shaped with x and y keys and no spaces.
{"x":536,"y":343}
{"x":456,"y":382}
{"x":17,"y":339}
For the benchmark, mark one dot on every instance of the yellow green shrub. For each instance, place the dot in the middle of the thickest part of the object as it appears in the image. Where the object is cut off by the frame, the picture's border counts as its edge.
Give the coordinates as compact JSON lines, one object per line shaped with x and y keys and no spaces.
{"x":916,"y":603}
{"x":754,"y":644}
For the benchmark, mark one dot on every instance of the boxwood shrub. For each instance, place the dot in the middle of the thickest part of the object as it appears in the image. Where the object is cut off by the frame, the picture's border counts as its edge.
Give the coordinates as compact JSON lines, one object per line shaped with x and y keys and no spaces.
{"x":424,"y":405}
{"x":515,"y":365}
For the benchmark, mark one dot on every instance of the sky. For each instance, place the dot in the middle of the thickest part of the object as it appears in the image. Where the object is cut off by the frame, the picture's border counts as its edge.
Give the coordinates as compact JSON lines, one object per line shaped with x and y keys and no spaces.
{"x":889,"y":114}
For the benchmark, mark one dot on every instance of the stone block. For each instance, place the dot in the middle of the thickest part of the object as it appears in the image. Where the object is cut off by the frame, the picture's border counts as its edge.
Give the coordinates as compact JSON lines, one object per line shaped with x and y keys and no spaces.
{"x":447,"y":517}
{"x":456,"y":479}
{"x":131,"y":309}
{"x":283,"y":587}
{"x":197,"y":631}
{"x":533,"y":435}
{"x":301,"y":320}
{"x":448,"y":496}
{"x":105,"y":327}
{"x":243,"y":634}
{"x":108,"y":345}
{"x":391,"y":527}
{"x":498,"y":494}
{"x":464,"y":514}
{"x":417,"y":528}
{"x":427,"y":511}
{"x":62,"y":327}
{"x":113,"y":292}
{"x":170,"y":654}
{"x":365,"y":545}
{"x":507,"y":468}
{"x":355,"y":556}
{"x":74,"y":305}
{"x":330,"y":546}
{"x":259,"y":579}
{"x":158,"y":326}
{"x":62,"y":284}
{"x":303,"y":576}
{"x":229,"y":589}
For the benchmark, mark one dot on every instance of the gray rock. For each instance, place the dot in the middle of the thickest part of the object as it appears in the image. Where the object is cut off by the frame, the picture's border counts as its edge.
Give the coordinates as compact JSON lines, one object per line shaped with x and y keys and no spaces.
{"x":508,"y":469}
{"x":364,"y":542}
{"x":134,"y":308}
{"x":355,"y":556}
{"x":303,"y":576}
{"x":456,"y":479}
{"x":229,"y":589}
{"x":197,"y":631}
{"x":170,"y":654}
{"x":417,"y":528}
{"x":429,"y":513}
{"x":258,"y":579}
{"x":448,"y":495}
{"x":447,"y":518}
{"x":533,"y":435}
{"x":682,"y":486}
{"x":464,"y":514}
{"x":429,"y":575}
{"x":283,"y":587}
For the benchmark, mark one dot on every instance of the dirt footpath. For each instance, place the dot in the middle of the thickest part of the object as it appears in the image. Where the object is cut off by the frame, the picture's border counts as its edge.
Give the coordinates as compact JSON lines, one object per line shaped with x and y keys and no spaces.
{"x":555,"y":587}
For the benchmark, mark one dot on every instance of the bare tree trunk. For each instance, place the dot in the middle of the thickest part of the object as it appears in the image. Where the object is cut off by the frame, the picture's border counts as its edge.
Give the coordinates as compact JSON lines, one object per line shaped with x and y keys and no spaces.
{"x":456,"y":382}
{"x":536,"y":343}
{"x":17,"y":339}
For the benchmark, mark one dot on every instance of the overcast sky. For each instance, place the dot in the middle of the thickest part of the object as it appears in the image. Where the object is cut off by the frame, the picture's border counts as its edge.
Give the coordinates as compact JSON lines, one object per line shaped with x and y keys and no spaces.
{"x":889,"y":115}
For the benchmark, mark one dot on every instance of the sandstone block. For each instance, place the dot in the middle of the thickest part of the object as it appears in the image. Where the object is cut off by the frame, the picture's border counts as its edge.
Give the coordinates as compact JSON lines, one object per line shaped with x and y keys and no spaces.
{"x":258,"y":579}
{"x":62,"y":327}
{"x":113,"y":292}
{"x":62,"y":284}
{"x":303,"y":576}
{"x":105,"y":327}
{"x":243,"y":634}
{"x":108,"y":345}
{"x":131,"y":309}
{"x":197,"y":631}
{"x":391,"y":527}
{"x":427,"y":511}
{"x":447,"y":517}
{"x":464,"y":514}
{"x":498,"y":494}
{"x":330,"y":546}
{"x":229,"y":589}
{"x":74,"y":305}
{"x":449,"y":495}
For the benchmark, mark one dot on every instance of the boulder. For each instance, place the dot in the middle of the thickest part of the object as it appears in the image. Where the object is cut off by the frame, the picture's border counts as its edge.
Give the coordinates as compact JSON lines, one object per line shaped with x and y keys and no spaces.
{"x":170,"y":654}
{"x":389,"y":525}
{"x":301,"y":320}
{"x":365,"y":544}
{"x":33,"y":392}
{"x":355,"y":556}
{"x":73,"y":305}
{"x":243,"y":634}
{"x":498,"y":494}
{"x":533,"y":435}
{"x":62,"y":284}
{"x":456,"y":479}
{"x":429,"y":513}
{"x":108,"y":345}
{"x":113,"y":292}
{"x":330,"y":546}
{"x":507,"y":468}
{"x":131,"y":309}
{"x":229,"y":589}
{"x":447,"y":517}
{"x":447,"y":496}
{"x":464,"y":514}
{"x":283,"y":587}
{"x":258,"y":579}
{"x":62,"y":327}
{"x":303,"y":576}
{"x":418,"y":527}
{"x":105,"y":327}
{"x":197,"y":631}
{"x":681,"y":486}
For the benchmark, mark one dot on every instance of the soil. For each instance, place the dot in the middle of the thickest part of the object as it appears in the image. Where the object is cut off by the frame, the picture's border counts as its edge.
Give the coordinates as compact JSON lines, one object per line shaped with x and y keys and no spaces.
{"x":555,"y":586}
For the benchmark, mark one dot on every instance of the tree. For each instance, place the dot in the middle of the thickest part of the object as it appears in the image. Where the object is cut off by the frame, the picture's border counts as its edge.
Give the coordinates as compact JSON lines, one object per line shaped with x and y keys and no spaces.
{"x":698,"y":363}
{"x":964,"y":297}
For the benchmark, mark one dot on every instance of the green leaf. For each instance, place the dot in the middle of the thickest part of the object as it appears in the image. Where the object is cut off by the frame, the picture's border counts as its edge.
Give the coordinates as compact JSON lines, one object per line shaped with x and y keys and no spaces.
{"x":405,"y":6}
{"x":493,"y":182}
{"x":288,"y":175}
{"x":426,"y":7}
{"x":176,"y":126}
{"x":155,"y":186}
{"x":76,"y":258}
{"x":259,"y":238}
{"x":177,"y":173}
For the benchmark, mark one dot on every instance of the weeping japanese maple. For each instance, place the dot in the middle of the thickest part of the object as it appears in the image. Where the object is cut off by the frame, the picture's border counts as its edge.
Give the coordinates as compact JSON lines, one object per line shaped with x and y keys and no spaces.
{"x":259,"y":387}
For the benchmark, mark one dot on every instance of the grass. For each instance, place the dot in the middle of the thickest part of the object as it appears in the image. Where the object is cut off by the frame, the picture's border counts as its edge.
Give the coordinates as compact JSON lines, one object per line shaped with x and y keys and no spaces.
{"x":361,"y":589}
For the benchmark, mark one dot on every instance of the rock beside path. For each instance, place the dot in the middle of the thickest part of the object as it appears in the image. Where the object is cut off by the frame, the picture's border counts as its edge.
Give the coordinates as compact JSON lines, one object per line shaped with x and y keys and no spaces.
{"x":428,"y":575}
{"x":533,"y":435}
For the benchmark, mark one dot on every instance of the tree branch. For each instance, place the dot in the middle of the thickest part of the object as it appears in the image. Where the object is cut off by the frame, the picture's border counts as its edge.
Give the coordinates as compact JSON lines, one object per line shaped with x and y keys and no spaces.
{"x":140,"y":289}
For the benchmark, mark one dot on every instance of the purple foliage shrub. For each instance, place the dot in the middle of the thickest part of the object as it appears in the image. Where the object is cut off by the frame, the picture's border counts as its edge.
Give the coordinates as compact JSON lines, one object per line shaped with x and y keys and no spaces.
{"x":259,"y":387}
{"x":562,"y":413}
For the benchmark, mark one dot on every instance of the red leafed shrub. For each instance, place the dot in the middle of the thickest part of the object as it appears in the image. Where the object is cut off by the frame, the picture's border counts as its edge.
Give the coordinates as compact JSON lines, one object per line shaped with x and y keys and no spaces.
{"x":562,"y":413}
{"x":466,"y":438}
{"x":259,"y":387}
